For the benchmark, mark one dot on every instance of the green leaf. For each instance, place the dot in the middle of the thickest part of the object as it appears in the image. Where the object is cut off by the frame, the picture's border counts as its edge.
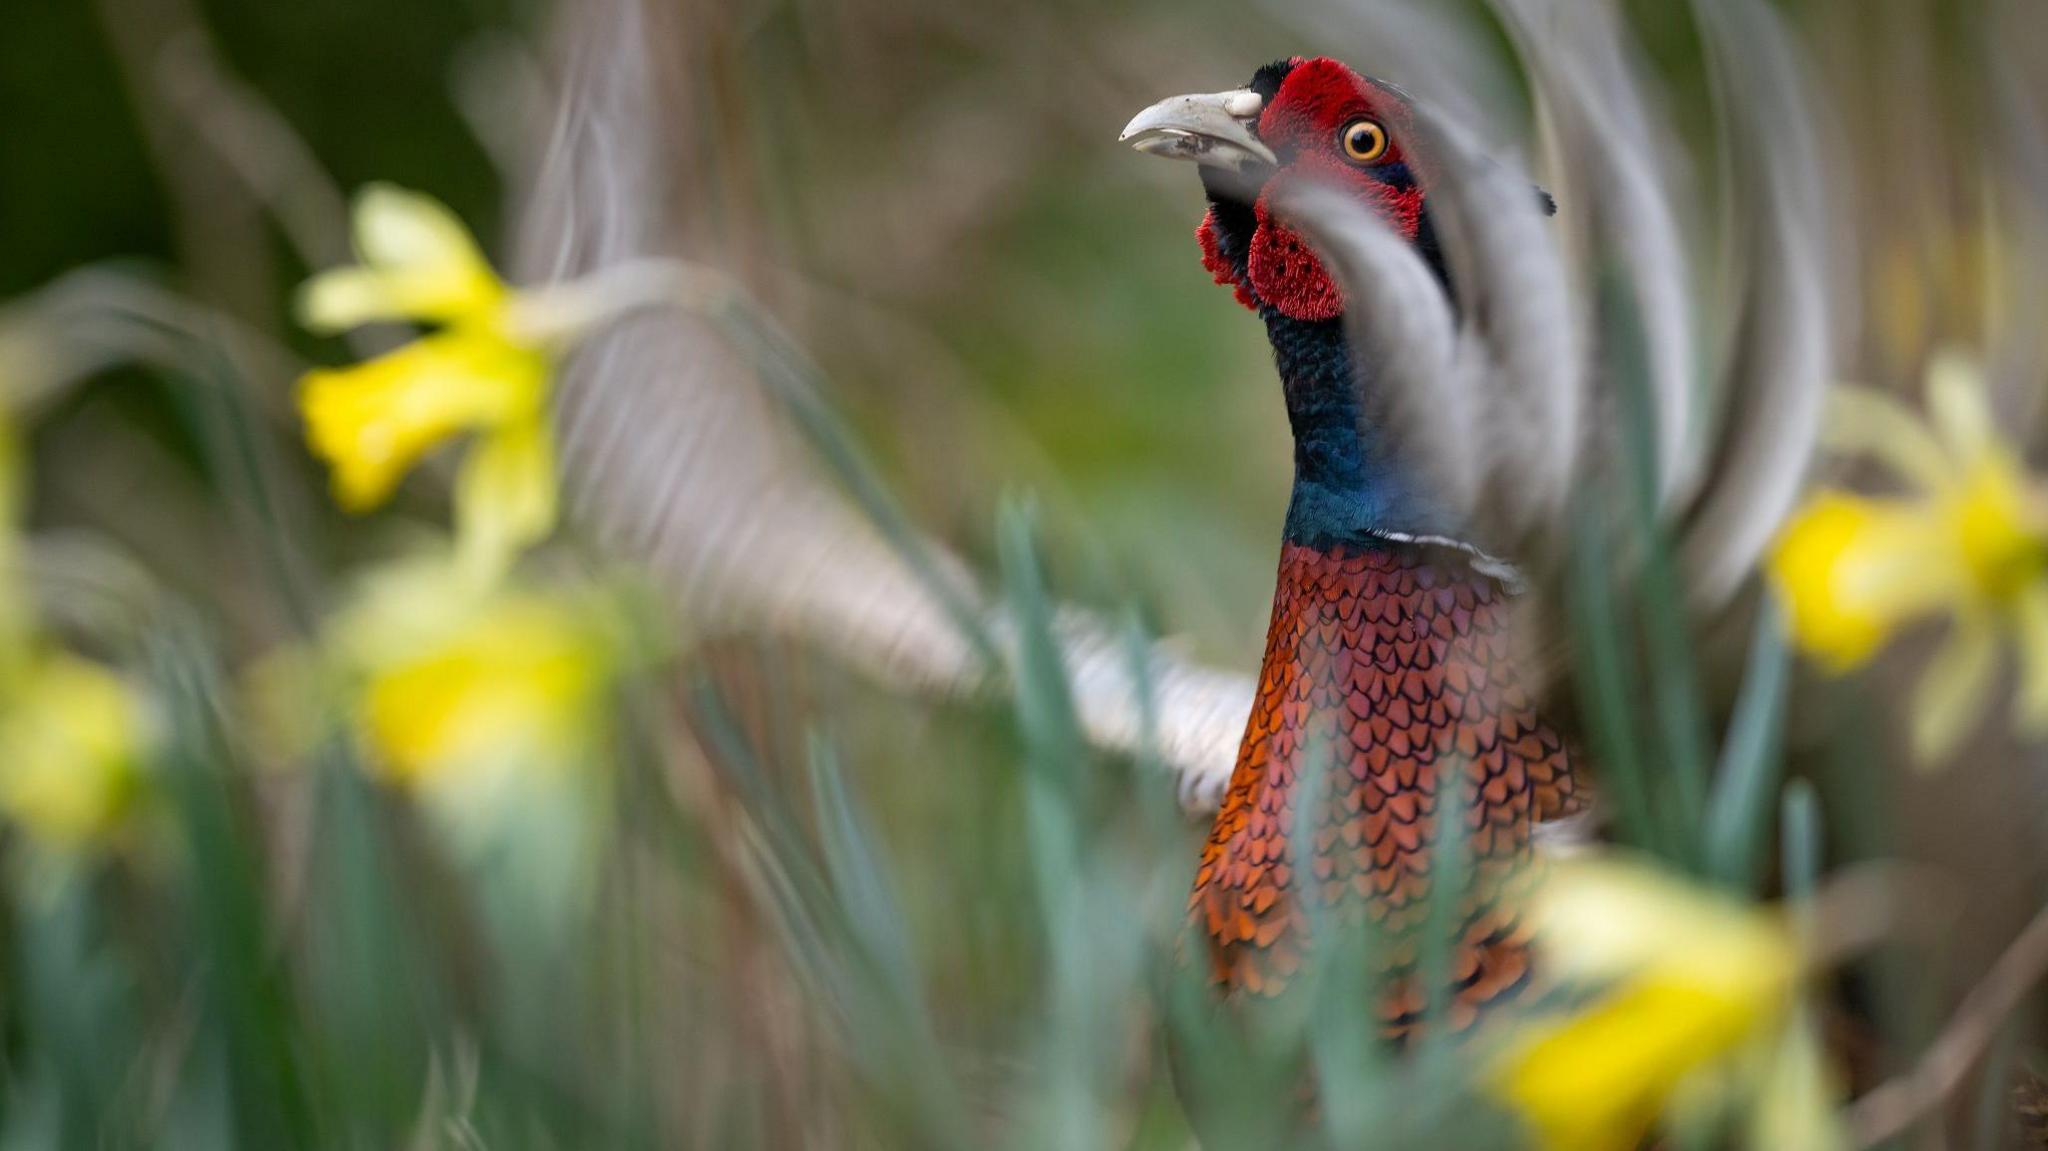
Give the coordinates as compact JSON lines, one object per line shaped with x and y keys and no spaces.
{"x":1802,"y":840}
{"x":1678,"y":788}
{"x":1751,"y":758}
{"x":1604,"y":683}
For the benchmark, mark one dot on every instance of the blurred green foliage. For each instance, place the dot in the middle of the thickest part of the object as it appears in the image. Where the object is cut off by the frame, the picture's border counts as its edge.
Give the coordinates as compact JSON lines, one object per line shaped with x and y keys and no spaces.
{"x":366,"y":83}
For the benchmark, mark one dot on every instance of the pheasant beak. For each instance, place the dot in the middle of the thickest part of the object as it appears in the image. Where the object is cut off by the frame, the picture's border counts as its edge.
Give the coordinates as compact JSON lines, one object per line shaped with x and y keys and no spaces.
{"x":1213,"y":130}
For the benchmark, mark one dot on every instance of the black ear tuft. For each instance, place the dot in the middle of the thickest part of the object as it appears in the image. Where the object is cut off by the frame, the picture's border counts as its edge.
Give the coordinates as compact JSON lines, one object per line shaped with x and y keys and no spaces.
{"x":1545,"y":199}
{"x":1266,"y":81}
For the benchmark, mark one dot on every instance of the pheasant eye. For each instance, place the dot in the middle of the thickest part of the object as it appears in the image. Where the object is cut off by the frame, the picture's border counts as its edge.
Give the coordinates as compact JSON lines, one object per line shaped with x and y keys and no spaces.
{"x":1364,"y":141}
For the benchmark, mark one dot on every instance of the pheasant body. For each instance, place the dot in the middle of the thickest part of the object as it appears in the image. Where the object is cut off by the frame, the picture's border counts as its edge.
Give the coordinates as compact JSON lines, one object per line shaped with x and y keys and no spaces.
{"x":1388,"y":676}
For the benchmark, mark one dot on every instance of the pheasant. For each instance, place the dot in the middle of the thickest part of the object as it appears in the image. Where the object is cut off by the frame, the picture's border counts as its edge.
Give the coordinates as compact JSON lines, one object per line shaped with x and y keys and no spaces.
{"x":1388,"y":678}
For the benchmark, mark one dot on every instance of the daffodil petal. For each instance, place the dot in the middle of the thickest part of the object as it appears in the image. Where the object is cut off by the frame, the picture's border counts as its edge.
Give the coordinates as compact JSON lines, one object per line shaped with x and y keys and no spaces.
{"x":1953,"y":689}
{"x":1796,"y":1102}
{"x":400,"y":229}
{"x":1864,"y":421}
{"x":2031,"y":625}
{"x":344,"y":298}
{"x":374,"y":421}
{"x":423,"y":260}
{"x":505,"y":496}
{"x":1957,"y":404}
{"x":1600,"y":918}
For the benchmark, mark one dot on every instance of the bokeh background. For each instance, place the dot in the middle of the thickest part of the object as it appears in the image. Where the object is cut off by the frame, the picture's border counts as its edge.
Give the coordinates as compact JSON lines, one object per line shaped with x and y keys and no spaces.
{"x":819,"y":892}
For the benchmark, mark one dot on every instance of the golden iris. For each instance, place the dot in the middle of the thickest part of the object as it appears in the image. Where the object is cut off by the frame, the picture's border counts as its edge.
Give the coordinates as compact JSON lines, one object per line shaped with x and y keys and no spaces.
{"x":1365,"y":142}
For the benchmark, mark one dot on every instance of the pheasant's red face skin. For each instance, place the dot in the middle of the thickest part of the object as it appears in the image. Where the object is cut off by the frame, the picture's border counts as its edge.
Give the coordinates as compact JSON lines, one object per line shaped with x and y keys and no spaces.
{"x":1327,"y":125}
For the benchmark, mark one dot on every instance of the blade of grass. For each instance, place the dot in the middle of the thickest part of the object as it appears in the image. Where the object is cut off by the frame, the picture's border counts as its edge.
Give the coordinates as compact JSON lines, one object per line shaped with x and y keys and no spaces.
{"x":1450,"y":875}
{"x":892,"y":1040}
{"x":1604,"y":692}
{"x":253,"y":1020}
{"x":372,"y":1010}
{"x":1045,"y":702}
{"x":1056,"y":792}
{"x":859,"y":880}
{"x":1347,"y":983}
{"x":1679,"y":787}
{"x":1751,"y":759}
{"x":76,"y":1005}
{"x":1802,"y":840}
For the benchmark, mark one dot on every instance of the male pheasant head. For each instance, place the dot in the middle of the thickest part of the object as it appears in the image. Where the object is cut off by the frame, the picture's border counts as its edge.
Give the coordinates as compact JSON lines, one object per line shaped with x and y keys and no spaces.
{"x":1300,"y":131}
{"x":1298,"y":122}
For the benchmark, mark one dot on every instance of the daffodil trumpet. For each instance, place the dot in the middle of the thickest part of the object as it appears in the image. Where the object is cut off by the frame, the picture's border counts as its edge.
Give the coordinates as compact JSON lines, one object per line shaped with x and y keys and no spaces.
{"x":451,"y":687}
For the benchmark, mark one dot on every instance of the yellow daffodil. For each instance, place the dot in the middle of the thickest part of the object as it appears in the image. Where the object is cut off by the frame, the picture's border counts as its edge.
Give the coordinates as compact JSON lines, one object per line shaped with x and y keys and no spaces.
{"x":483,"y":371}
{"x":1685,"y":987}
{"x":524,"y":680}
{"x":71,"y":747}
{"x":462,"y":686}
{"x":1970,"y":540}
{"x":489,"y":705}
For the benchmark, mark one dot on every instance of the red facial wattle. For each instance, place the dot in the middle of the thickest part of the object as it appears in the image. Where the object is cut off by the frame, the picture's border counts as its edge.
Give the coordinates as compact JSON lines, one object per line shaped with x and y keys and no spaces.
{"x":1286,"y":273}
{"x":1219,"y":265}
